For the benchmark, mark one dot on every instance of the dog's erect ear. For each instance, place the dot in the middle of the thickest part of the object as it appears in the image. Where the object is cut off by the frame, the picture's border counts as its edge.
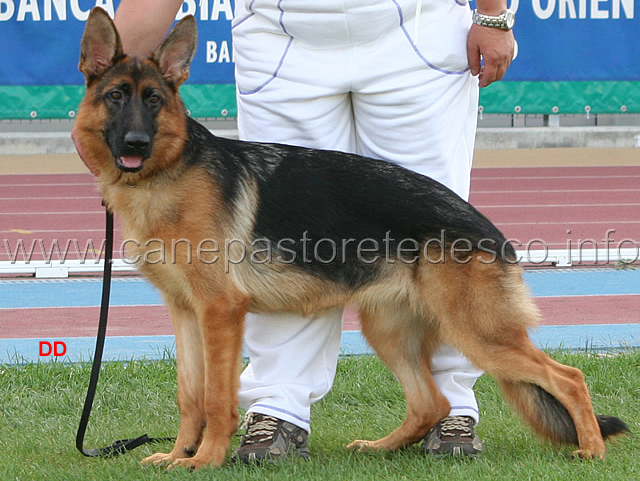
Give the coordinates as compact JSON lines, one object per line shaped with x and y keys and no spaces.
{"x":100,"y":44}
{"x":175,"y":54}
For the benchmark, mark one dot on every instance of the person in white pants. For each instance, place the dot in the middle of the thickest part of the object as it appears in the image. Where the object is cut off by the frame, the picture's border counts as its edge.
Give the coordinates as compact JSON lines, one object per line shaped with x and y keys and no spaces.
{"x":389,"y":79}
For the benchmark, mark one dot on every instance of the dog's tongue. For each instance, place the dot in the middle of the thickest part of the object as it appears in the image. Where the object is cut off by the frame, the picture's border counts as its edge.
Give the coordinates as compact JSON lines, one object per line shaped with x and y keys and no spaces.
{"x":131,"y":162}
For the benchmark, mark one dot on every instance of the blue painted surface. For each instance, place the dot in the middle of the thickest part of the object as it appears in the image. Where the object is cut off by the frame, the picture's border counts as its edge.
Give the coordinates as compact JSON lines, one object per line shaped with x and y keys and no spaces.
{"x":136,"y":291}
{"x":576,"y":282}
{"x":75,"y":293}
{"x":126,"y":348}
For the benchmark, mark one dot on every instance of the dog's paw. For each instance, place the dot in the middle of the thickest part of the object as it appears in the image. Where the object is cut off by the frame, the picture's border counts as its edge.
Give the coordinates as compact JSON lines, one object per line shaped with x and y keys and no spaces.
{"x":159,"y":459}
{"x":192,"y":463}
{"x":361,"y":445}
{"x":589,"y":454}
{"x":185,"y":463}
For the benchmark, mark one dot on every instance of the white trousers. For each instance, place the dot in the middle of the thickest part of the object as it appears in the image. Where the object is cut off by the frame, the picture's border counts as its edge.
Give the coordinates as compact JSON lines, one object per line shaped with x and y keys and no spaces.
{"x":359,"y":76}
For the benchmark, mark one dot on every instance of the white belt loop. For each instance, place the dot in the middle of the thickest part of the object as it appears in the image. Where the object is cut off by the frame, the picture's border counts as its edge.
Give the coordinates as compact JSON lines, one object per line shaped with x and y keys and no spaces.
{"x":417,"y":20}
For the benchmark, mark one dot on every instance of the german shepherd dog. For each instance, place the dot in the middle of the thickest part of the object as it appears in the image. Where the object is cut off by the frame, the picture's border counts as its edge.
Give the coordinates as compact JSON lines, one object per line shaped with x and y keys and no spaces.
{"x":422,"y":265}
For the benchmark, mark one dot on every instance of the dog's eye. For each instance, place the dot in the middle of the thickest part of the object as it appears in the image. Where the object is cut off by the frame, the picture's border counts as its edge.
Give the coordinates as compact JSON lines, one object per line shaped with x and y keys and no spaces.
{"x":154,"y":99}
{"x":115,"y":95}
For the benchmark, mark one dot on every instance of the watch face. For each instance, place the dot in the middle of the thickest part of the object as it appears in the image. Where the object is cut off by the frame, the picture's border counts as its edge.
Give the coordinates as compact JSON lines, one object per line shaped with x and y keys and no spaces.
{"x":510,"y":19}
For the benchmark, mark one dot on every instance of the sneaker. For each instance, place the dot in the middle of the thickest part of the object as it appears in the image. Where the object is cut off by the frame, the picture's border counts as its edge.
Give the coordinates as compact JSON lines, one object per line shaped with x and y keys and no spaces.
{"x":453,"y":436}
{"x":269,"y":438}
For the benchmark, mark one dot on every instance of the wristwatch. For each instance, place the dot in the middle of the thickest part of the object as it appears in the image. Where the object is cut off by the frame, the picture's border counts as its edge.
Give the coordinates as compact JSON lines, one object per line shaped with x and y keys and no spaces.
{"x":504,"y":21}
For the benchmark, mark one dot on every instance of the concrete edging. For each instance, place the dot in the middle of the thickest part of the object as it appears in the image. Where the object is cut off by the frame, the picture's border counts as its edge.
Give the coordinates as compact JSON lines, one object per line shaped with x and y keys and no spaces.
{"x":39,"y":143}
{"x":555,"y":137}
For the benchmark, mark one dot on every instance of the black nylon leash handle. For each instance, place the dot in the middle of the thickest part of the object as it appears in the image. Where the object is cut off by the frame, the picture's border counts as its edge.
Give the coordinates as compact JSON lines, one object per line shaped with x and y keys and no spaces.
{"x":123,"y":445}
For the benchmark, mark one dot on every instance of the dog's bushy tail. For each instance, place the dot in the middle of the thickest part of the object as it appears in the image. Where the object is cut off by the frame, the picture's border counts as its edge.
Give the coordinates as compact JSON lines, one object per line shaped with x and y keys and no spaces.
{"x":548,"y":417}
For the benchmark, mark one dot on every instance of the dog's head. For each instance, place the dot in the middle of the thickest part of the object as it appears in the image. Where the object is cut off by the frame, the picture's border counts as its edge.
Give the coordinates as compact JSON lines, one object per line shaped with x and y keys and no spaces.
{"x":131,"y":105}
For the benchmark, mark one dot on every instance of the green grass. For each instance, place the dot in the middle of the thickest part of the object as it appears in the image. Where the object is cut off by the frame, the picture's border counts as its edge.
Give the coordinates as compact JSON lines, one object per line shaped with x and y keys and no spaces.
{"x":40,"y":406}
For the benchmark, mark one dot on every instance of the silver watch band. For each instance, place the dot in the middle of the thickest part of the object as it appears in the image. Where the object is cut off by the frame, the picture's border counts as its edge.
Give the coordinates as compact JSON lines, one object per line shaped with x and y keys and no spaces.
{"x":504,"y":21}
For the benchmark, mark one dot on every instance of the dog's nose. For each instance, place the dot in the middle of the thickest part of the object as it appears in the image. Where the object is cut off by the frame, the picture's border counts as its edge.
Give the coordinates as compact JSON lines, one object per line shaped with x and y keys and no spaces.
{"x":137,"y":140}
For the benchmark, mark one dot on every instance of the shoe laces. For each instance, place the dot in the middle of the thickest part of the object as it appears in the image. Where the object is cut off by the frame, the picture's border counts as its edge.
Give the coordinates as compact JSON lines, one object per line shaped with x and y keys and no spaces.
{"x":260,"y":428}
{"x":456,"y":426}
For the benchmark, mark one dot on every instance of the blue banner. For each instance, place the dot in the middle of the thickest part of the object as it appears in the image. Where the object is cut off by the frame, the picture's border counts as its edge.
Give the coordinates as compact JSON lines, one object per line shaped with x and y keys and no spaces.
{"x":576,"y":40}
{"x":571,"y":54}
{"x":40,"y":40}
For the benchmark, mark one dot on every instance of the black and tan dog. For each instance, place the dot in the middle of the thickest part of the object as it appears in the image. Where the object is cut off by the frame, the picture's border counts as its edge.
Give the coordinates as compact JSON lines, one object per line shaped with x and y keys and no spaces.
{"x":268,"y":228}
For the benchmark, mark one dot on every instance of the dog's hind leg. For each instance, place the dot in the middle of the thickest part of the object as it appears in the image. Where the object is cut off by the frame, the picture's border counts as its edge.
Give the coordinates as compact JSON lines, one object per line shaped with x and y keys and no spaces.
{"x":484,"y":311}
{"x":405,"y":343}
{"x":551,"y":397}
{"x":189,"y":352}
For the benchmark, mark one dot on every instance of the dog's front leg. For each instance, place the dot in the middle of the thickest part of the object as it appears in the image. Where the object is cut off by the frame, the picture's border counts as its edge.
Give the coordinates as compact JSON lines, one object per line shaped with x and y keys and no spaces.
{"x":190,"y":359}
{"x":222,"y":325}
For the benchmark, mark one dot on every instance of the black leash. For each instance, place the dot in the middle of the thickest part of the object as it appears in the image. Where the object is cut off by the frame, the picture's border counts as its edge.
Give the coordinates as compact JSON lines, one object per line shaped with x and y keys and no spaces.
{"x":123,"y":445}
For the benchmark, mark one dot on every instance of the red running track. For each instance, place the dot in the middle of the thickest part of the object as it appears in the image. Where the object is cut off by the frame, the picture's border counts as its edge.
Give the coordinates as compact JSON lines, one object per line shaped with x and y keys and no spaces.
{"x":555,"y":205}
{"x":54,"y":323}
{"x":561,"y":204}
{"x":526,"y":203}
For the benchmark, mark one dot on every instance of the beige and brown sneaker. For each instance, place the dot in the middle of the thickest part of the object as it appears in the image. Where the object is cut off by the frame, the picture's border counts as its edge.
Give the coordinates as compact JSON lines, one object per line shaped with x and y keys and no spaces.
{"x":453,"y":436}
{"x":268,"y":439}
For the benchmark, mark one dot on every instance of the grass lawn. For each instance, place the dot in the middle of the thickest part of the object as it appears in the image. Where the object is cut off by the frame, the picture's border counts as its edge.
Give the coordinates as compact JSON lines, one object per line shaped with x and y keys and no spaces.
{"x":40,"y":407}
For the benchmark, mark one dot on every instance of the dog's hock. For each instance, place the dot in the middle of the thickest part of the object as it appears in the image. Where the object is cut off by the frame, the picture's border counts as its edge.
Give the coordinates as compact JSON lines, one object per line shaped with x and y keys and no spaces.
{"x":100,"y":44}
